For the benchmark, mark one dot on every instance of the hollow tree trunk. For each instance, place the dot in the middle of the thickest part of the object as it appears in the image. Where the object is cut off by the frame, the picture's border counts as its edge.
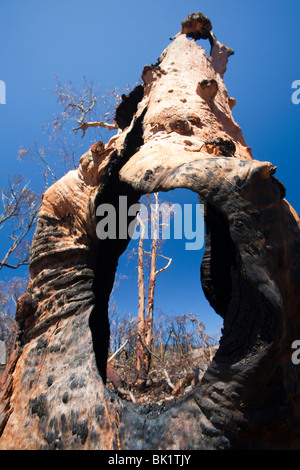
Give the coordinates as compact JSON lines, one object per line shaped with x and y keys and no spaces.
{"x":177,"y":130}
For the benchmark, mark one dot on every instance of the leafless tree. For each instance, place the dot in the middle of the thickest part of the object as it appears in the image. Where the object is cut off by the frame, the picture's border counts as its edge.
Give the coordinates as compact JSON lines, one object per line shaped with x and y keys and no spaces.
{"x":19,"y":212}
{"x":145,"y":311}
{"x":136,"y":340}
{"x":181,"y":351}
{"x":79,"y":109}
{"x":10,"y":291}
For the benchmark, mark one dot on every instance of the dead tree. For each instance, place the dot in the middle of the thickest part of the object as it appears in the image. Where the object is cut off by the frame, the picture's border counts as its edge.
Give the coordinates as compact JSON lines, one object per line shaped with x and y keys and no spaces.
{"x":179,"y":132}
{"x":146,"y":310}
{"x":19,"y":208}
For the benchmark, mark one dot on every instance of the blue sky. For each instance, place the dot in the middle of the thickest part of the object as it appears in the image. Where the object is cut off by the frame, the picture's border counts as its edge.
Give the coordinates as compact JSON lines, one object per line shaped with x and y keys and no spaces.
{"x":110,"y":42}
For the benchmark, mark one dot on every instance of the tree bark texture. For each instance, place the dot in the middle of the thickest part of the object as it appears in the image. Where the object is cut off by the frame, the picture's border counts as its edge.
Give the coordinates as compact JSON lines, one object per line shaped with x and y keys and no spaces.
{"x":176,"y":130}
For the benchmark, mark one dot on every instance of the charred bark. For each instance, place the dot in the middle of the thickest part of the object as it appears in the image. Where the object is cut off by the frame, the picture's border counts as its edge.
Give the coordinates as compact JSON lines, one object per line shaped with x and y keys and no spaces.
{"x":173,"y":138}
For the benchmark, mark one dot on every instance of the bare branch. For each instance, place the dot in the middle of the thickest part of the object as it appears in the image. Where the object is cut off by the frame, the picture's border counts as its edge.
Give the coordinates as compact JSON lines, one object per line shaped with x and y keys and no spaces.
{"x":79,"y":106}
{"x":20,"y":208}
{"x":42,"y":156}
{"x":171,"y":385}
{"x":161,"y":256}
{"x":116,"y":353}
{"x":85,"y":125}
{"x":164,"y":268}
{"x":127,"y":392}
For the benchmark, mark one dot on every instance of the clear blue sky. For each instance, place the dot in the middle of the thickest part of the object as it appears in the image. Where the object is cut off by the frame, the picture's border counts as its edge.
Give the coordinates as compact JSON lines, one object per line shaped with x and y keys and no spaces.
{"x":110,"y":42}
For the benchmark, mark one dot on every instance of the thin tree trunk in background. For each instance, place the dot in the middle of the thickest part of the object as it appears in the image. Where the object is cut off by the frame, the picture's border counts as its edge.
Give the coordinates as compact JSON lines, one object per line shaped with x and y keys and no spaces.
{"x":152,"y":278}
{"x":145,"y":316}
{"x":140,"y":348}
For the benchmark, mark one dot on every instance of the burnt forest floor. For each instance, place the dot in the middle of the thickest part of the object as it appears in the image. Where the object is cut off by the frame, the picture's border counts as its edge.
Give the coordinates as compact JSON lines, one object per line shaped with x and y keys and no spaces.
{"x":170,"y":376}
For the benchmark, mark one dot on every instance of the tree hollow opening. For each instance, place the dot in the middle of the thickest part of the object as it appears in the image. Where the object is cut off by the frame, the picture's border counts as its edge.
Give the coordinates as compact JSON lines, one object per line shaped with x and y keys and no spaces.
{"x":184,"y":342}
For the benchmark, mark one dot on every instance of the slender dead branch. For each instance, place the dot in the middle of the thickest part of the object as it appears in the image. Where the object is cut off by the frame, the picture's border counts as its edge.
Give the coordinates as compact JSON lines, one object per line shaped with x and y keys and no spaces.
{"x":20,"y":208}
{"x":161,"y":256}
{"x":127,"y":392}
{"x":85,"y":125}
{"x":116,"y":353}
{"x":171,"y":385}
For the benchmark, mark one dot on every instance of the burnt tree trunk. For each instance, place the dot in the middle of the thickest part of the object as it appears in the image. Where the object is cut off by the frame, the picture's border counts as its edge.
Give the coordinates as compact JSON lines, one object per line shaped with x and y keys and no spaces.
{"x":140,"y":347}
{"x":145,"y":313}
{"x":176,"y":131}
